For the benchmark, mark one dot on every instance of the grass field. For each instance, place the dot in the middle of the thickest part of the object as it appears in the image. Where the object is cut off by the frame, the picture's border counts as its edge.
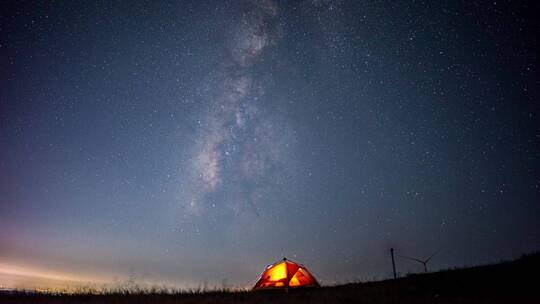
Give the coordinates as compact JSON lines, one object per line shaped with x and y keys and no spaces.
{"x":509,"y":282}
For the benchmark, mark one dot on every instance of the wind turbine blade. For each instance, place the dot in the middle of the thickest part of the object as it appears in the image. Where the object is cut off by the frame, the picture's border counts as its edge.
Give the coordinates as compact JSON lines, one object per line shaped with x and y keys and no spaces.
{"x":432,"y":255}
{"x":411,"y":258}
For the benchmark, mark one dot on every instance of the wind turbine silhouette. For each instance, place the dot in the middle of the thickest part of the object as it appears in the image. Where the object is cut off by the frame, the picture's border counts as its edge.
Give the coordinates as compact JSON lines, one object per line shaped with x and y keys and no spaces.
{"x":423,"y":262}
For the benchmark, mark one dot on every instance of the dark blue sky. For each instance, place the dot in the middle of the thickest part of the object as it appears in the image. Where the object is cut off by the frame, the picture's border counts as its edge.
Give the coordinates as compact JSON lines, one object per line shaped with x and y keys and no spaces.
{"x":191,"y":142}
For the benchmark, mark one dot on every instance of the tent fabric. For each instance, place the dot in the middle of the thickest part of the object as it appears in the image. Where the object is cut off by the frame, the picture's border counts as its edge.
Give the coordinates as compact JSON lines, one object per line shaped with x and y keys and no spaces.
{"x":285,"y":274}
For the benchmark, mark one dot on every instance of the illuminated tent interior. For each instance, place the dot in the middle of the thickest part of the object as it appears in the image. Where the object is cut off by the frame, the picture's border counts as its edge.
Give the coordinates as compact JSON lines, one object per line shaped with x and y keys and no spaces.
{"x":285,"y":274}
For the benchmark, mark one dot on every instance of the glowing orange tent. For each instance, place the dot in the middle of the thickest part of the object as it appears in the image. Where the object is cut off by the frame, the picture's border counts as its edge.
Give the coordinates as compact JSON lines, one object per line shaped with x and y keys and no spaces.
{"x":285,"y":274}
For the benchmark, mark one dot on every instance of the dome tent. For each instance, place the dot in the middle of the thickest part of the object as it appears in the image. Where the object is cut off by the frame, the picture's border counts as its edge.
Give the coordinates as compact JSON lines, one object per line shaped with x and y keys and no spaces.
{"x":285,"y":274}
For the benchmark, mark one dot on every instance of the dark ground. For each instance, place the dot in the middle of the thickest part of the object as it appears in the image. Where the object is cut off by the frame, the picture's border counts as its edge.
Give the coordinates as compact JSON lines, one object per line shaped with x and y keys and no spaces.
{"x":509,"y":282}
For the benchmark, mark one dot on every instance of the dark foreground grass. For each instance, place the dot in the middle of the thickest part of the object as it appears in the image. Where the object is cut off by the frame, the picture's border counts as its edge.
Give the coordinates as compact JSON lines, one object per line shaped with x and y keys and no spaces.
{"x":509,"y":282}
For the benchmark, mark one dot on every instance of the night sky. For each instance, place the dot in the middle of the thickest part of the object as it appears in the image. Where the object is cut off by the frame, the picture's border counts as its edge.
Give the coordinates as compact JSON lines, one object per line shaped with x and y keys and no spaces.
{"x":196,"y":142}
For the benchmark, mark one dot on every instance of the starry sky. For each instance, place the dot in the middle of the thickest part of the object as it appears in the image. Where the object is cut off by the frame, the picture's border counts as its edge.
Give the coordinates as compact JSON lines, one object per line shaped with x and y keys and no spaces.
{"x":198,"y":141}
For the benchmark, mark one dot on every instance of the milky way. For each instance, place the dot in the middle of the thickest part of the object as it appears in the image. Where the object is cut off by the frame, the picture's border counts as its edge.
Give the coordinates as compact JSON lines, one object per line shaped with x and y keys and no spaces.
{"x":236,"y":144}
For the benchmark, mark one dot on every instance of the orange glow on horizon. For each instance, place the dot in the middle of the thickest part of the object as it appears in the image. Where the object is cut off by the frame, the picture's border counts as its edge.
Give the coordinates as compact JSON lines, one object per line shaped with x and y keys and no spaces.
{"x":25,"y":277}
{"x":27,"y":272}
{"x":31,"y":277}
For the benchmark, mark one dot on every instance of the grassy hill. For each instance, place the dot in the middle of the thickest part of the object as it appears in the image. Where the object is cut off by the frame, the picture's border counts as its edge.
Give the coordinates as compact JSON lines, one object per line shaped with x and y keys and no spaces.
{"x":509,"y":282}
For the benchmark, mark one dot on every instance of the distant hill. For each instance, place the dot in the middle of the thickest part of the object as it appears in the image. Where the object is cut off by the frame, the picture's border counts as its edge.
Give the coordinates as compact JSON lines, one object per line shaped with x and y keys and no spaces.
{"x":508,"y":282}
